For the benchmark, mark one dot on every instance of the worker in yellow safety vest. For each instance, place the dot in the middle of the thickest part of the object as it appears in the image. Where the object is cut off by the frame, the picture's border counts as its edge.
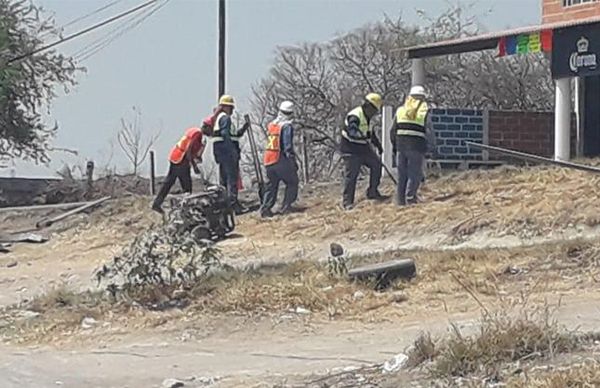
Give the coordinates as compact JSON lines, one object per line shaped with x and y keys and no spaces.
{"x":280,"y":161}
{"x":356,"y":150}
{"x":410,"y":144}
{"x":226,"y":149}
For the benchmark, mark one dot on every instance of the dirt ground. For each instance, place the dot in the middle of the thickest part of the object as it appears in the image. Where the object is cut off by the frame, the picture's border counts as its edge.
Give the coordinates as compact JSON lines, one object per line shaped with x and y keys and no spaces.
{"x":472,"y":231}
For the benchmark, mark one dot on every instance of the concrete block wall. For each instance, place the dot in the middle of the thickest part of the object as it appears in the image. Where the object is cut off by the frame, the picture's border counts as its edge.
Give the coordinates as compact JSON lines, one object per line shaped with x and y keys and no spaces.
{"x":452,"y":127}
{"x":530,"y":132}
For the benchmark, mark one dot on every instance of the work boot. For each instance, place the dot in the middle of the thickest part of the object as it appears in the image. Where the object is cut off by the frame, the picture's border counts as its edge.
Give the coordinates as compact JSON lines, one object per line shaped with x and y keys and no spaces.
{"x":266,"y":213}
{"x":377,"y":196}
{"x":239,"y":209}
{"x":158,"y":209}
{"x":412,"y":200}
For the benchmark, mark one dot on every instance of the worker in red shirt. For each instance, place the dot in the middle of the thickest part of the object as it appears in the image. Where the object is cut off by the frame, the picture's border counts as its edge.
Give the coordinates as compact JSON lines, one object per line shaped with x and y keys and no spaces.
{"x":182,"y":158}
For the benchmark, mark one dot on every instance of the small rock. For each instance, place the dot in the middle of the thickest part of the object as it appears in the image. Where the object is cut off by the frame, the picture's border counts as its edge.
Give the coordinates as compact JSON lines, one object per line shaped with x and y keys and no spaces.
{"x":206,"y":381}
{"x":302,"y":310}
{"x":172,"y":383}
{"x":398,"y":297}
{"x":88,"y":323}
{"x":11,"y":264}
{"x":358,"y":295}
{"x":395,"y":363}
{"x":336,"y":250}
{"x":512,"y":270}
{"x":28,"y":314}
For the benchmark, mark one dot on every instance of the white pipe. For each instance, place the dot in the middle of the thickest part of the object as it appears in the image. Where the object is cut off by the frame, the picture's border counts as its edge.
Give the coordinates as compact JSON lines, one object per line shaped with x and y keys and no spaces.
{"x":562,"y":120}
{"x":386,"y":123}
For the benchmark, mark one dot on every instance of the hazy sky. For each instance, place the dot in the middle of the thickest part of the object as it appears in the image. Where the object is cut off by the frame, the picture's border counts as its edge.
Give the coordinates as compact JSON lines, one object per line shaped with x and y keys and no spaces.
{"x":167,"y":65}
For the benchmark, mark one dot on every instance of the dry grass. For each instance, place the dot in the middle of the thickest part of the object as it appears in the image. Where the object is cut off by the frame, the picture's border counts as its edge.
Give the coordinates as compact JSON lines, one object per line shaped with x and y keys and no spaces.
{"x":304,"y":285}
{"x":445,"y":281}
{"x":586,"y":374}
{"x":500,"y":340}
{"x":423,"y":350}
{"x":525,"y":202}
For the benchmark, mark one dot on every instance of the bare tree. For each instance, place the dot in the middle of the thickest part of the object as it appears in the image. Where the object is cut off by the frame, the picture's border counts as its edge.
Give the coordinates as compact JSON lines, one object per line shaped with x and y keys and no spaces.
{"x":131,"y":140}
{"x":325,"y":80}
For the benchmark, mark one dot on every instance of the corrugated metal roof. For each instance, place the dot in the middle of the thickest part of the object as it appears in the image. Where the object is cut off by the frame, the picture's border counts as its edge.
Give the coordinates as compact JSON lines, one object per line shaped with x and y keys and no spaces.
{"x":486,"y":41}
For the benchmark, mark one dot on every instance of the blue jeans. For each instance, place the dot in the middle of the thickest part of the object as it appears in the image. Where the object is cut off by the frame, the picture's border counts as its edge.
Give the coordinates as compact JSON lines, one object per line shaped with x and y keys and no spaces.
{"x":410,"y":174}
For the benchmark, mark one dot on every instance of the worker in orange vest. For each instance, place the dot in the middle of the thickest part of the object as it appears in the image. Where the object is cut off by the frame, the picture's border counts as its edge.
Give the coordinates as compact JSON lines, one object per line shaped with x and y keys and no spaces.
{"x":181,"y":159}
{"x":280,"y":161}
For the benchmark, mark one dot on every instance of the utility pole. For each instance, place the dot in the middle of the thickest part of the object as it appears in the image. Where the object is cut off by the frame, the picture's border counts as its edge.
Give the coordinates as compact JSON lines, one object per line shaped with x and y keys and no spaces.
{"x":221,"y":48}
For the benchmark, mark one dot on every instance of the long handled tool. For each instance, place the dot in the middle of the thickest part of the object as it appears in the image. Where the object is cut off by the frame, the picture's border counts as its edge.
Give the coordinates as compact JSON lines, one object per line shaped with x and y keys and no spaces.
{"x":389,"y":172}
{"x":534,"y":158}
{"x":255,"y":159}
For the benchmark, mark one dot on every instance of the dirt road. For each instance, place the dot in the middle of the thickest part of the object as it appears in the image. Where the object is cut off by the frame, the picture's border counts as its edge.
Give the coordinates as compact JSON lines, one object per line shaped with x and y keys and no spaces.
{"x":255,"y":351}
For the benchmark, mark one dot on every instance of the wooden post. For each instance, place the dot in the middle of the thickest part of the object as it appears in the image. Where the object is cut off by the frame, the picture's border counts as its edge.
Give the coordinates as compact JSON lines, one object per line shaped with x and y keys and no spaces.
{"x":152,"y":175}
{"x":89,"y":173}
{"x":305,"y":165}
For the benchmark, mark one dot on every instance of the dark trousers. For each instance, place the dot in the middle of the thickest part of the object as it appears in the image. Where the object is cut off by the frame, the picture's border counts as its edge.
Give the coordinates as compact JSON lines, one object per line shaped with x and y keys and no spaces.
{"x":283,"y":171}
{"x":228,"y":177}
{"x":179,"y":172}
{"x":410,"y":175}
{"x":352,"y":165}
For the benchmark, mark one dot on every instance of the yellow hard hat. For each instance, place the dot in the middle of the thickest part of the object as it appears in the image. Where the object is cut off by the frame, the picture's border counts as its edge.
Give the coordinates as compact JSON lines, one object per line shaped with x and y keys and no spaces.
{"x":226,"y":100}
{"x":375,"y":99}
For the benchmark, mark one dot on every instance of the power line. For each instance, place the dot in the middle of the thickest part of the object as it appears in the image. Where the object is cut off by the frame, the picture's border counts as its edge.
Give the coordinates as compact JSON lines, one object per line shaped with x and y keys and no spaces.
{"x":116,"y":33}
{"x":82,"y":32}
{"x":80,"y":18}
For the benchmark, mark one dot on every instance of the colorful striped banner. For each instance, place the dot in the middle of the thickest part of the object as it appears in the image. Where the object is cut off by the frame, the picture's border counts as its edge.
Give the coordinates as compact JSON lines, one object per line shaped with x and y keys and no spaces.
{"x":536,"y":42}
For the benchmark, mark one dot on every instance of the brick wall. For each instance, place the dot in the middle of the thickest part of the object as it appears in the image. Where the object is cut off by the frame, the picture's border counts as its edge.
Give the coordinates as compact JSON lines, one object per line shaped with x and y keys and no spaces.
{"x":523,"y":131}
{"x":531,"y":132}
{"x":452,"y":127}
{"x":554,"y":11}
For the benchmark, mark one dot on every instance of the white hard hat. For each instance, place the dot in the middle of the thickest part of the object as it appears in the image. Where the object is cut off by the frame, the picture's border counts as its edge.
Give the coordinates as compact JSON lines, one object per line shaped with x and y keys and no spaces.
{"x":286,"y":107}
{"x":418,"y":90}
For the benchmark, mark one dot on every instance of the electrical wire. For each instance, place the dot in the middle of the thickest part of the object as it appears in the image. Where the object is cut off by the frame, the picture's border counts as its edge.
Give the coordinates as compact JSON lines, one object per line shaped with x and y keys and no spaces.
{"x":116,"y":33}
{"x":82,"y":32}
{"x":95,"y":12}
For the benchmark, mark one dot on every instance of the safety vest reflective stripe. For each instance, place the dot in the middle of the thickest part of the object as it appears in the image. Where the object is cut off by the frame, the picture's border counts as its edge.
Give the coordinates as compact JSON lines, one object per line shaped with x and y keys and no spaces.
{"x":410,"y":121}
{"x":233,"y":134}
{"x":363,"y":126}
{"x":408,"y":132}
{"x":273,"y":149}
{"x":178,"y":152}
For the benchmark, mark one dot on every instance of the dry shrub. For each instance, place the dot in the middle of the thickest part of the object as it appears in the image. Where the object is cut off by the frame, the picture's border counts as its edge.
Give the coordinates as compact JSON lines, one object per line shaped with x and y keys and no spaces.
{"x":501,"y":339}
{"x":62,"y":297}
{"x":423,"y":350}
{"x":586,"y":374}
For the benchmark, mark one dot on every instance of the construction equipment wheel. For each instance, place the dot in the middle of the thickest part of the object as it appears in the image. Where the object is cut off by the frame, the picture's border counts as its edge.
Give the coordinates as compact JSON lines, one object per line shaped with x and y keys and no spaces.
{"x":201,"y":233}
